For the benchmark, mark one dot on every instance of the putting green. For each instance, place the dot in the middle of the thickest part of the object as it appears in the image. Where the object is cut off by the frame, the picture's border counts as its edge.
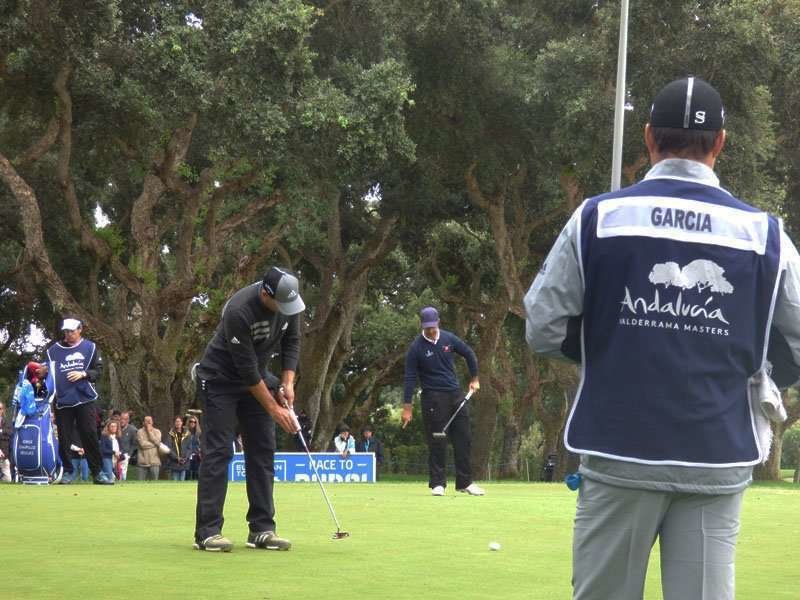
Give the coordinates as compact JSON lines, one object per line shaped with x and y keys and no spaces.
{"x":134,"y":540}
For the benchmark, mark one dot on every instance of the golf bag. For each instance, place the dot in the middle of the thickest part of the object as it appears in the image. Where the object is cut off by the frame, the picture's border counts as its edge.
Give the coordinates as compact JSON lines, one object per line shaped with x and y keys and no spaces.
{"x":34,"y":447}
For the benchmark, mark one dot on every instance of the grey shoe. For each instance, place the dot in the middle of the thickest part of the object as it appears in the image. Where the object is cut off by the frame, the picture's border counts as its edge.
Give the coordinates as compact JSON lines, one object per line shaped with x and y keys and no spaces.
{"x":102,"y":479}
{"x":267,"y":540}
{"x":214,"y":543}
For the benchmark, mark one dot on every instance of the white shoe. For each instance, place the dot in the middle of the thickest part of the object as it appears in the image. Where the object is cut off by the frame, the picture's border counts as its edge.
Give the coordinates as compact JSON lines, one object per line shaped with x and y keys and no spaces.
{"x":473,"y":490}
{"x":437,"y":491}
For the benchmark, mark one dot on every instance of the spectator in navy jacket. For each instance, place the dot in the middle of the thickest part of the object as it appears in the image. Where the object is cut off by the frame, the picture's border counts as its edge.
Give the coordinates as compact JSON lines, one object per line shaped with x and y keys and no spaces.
{"x":195,"y":438}
{"x":109,"y":447}
{"x":369,"y":443}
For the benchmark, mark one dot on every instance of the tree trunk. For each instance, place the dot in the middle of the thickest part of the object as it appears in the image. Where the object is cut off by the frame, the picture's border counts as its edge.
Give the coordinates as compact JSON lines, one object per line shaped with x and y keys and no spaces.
{"x":509,"y":455}
{"x":484,"y":423}
{"x":128,"y":388}
{"x":486,"y":401}
{"x":161,"y":406}
{"x":771,"y":470}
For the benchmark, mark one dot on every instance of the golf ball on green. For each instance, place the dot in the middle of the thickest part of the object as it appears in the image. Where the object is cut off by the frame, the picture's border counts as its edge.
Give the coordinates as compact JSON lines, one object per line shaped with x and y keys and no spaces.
{"x":494,"y":546}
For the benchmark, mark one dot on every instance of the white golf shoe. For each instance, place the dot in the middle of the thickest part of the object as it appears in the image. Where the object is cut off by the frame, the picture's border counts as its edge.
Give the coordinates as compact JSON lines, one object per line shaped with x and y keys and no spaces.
{"x":473,"y":490}
{"x":437,"y":491}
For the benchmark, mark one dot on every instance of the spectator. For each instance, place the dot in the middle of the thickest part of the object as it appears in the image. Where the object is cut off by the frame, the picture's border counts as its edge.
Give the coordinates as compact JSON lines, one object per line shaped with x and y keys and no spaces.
{"x":344,"y":442}
{"x":77,"y":367}
{"x":109,"y":447}
{"x":179,"y":450}
{"x":195,"y":454}
{"x":549,"y":467}
{"x":148,"y":438}
{"x":6,"y":431}
{"x":369,"y":443}
{"x":80,"y":466}
{"x":127,"y":444}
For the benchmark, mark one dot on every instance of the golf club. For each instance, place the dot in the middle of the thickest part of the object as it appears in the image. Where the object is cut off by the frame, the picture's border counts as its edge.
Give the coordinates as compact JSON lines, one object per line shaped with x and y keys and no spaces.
{"x":339,"y":534}
{"x":443,"y":432}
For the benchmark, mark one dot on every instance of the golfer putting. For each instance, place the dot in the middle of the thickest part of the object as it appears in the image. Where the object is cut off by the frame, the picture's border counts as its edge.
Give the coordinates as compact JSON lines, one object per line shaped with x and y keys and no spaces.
{"x":665,"y":292}
{"x":234,"y":386}
{"x":430,"y":359}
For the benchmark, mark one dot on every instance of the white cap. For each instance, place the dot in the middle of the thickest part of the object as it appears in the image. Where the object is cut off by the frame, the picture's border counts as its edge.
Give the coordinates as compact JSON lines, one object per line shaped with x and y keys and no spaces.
{"x":70,"y":325}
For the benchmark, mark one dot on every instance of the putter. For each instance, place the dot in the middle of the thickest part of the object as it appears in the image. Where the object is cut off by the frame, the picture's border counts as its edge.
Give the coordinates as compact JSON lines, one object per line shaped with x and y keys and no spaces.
{"x":443,"y":433}
{"x":338,"y":534}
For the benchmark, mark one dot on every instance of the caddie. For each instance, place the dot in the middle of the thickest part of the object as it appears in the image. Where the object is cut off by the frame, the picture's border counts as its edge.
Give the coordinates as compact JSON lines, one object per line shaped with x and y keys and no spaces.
{"x":668,"y":293}
{"x":75,"y":365}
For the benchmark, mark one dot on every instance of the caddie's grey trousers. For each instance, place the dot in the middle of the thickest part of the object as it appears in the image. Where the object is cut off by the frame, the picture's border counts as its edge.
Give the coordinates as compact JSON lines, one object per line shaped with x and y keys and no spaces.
{"x":616,"y":527}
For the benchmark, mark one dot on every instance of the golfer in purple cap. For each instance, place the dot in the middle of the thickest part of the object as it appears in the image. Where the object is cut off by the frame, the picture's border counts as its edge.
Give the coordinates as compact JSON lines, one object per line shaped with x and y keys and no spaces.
{"x":430,"y":360}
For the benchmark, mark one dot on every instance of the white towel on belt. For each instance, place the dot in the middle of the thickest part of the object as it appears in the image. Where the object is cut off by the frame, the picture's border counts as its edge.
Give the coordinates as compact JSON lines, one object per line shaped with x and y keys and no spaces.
{"x":767,"y":406}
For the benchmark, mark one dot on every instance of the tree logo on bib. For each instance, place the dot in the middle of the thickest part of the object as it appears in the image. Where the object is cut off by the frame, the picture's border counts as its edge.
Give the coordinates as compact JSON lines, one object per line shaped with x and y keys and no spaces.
{"x":702,"y":274}
{"x":690,"y":294}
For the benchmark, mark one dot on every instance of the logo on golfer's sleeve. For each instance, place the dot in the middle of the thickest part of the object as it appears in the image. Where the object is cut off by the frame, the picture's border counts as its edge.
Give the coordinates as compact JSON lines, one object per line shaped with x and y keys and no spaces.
{"x":688,"y":302}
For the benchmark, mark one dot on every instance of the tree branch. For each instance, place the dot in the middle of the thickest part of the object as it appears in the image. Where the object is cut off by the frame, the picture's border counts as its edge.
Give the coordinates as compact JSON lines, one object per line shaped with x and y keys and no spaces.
{"x":42,"y":145}
{"x":253,"y":208}
{"x":36,"y":255}
{"x":99,"y":247}
{"x":474,"y":189}
{"x":378,"y":246}
{"x":334,"y":229}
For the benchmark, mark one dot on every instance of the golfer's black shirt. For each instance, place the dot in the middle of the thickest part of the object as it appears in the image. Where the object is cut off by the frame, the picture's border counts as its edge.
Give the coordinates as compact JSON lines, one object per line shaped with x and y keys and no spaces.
{"x":245,"y":340}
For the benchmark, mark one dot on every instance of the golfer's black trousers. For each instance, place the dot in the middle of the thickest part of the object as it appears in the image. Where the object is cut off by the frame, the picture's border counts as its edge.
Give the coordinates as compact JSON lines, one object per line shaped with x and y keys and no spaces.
{"x":83,"y":418}
{"x":223,"y":407}
{"x":437,"y":408}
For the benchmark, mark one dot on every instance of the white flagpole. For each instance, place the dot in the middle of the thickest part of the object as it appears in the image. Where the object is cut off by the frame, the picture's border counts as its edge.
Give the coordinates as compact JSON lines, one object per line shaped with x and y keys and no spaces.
{"x":619,"y":103}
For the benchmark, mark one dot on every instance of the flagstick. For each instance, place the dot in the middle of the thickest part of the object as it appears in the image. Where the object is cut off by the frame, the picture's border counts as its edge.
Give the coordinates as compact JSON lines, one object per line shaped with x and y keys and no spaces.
{"x":619,"y":103}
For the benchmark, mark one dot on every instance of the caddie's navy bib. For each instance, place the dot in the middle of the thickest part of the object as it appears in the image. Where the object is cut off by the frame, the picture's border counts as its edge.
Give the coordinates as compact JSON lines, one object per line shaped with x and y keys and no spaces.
{"x":65,"y":359}
{"x":680,"y":285}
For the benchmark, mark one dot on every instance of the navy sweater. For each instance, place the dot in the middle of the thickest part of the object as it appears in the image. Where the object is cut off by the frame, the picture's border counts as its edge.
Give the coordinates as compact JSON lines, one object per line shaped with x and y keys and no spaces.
{"x":433,"y":365}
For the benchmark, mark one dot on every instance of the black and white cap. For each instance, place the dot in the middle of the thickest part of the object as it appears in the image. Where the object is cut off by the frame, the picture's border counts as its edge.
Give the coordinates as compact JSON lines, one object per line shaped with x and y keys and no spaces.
{"x":285,"y":288}
{"x":688,"y":103}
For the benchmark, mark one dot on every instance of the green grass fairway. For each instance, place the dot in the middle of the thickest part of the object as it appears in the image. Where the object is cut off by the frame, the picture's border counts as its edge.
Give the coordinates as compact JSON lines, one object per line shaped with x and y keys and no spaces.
{"x":134,"y":540}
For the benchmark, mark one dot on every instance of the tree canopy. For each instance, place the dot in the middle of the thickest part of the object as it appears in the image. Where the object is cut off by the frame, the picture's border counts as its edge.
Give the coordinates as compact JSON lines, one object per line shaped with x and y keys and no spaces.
{"x":156,"y":156}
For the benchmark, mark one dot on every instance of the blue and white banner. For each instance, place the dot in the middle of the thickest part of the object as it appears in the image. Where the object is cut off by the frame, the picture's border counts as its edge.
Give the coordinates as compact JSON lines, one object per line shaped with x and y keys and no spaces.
{"x":332,"y":468}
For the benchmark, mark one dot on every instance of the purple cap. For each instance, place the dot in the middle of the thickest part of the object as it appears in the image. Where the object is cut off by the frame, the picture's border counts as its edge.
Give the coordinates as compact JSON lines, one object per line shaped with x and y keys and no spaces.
{"x":429,"y":317}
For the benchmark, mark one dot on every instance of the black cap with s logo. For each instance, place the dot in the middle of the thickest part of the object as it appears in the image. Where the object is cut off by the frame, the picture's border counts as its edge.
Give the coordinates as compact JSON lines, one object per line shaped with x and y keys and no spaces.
{"x":688,"y":103}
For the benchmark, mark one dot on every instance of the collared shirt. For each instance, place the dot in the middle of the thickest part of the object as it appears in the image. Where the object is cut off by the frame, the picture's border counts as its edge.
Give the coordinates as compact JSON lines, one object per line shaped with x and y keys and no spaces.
{"x":434,"y":340}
